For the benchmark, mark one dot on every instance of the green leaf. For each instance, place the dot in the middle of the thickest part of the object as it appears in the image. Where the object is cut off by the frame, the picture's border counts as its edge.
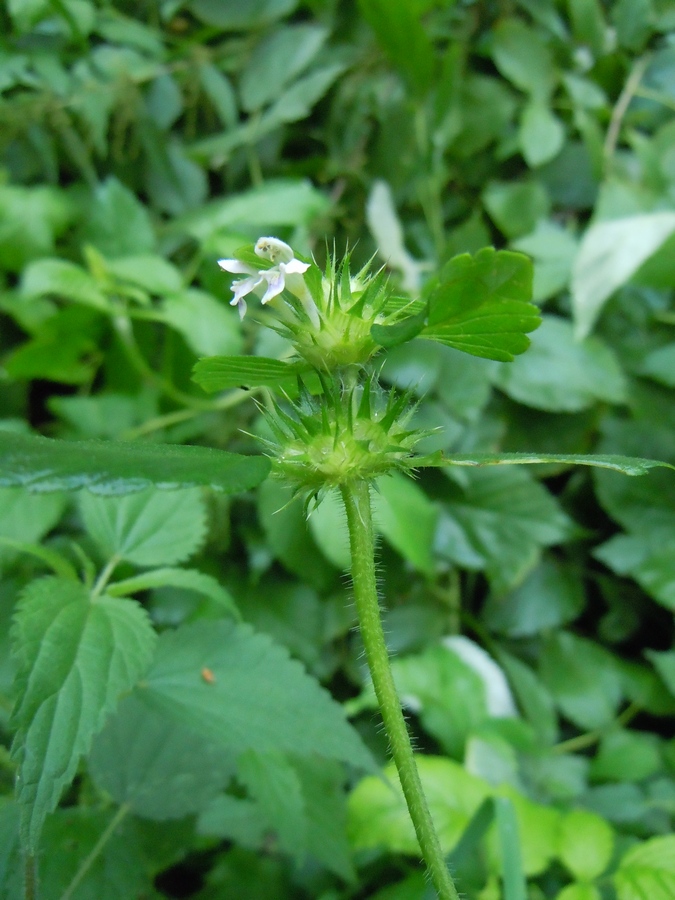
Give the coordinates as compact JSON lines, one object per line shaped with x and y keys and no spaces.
{"x":541,"y":134}
{"x":24,"y":517}
{"x":627,"y":465}
{"x":481,"y":305}
{"x":551,"y":595}
{"x":148,"y":528}
{"x":256,"y":697}
{"x":626,"y":756}
{"x":148,"y":271}
{"x":647,"y":871}
{"x":609,"y":255}
{"x":271,"y":780}
{"x":230,"y":15}
{"x":117,"y":223}
{"x":516,"y":207}
{"x":499,"y":521}
{"x":189,"y":579}
{"x":74,"y":658}
{"x":392,"y":335}
{"x":579,"y":891}
{"x":560,"y":374}
{"x":107,"y":467}
{"x":207,"y":325}
{"x":553,"y":250}
{"x":522,"y":56}
{"x":275,"y":62}
{"x":378,"y":816}
{"x":406,"y":517}
{"x":60,"y":278}
{"x":218,"y":373}
{"x":159,"y":767}
{"x":660,"y":365}
{"x":586,"y":843}
{"x":31,"y":220}
{"x":51,"y":558}
{"x":583,"y":679}
{"x":398,"y":29}
{"x":275,"y":204}
{"x":649,"y":558}
{"x":515,"y":886}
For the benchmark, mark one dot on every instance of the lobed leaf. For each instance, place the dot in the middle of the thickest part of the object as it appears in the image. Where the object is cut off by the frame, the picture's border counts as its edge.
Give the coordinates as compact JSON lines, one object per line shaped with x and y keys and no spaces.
{"x":218,"y":373}
{"x":43,"y":464}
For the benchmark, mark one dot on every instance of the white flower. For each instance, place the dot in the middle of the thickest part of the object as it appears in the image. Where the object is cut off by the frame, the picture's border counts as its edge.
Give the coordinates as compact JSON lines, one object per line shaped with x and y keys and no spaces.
{"x":287,"y":273}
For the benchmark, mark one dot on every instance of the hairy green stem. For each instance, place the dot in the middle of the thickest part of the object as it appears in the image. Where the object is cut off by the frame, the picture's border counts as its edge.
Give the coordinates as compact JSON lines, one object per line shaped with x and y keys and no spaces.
{"x":356,"y":497}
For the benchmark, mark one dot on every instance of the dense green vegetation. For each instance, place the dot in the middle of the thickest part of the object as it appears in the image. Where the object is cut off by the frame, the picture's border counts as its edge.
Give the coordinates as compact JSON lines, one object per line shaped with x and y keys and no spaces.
{"x":185,"y":709}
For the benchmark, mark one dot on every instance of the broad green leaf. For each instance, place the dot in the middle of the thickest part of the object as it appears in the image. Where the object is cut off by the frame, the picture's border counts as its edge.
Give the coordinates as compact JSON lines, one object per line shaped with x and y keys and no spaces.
{"x":498,"y":521}
{"x":551,"y":595}
{"x":664,"y":663}
{"x":481,"y":305}
{"x":230,"y":15}
{"x":60,"y":278}
{"x":585,"y":844}
{"x":579,"y":891}
{"x":148,"y":271}
{"x":609,"y":255}
{"x":218,"y":373}
{"x":406,"y":517}
{"x":273,"y":782}
{"x":25,"y":517}
{"x":105,"y":415}
{"x":515,"y":207}
{"x":117,"y":223}
{"x":255,"y":697}
{"x":118,"y":868}
{"x":559,"y":374}
{"x":553,"y":249}
{"x":378,"y":816}
{"x":649,"y":558}
{"x":326,"y":808}
{"x":208,"y":327}
{"x":220,"y":92}
{"x":627,"y":465}
{"x":523,"y":57}
{"x":402,"y":36}
{"x":274,"y":204}
{"x":626,"y":756}
{"x":233,"y":818}
{"x":159,"y":767}
{"x":583,"y":679}
{"x":298,"y":100}
{"x":31,"y":220}
{"x":533,"y":697}
{"x":275,"y":62}
{"x":43,"y":464}
{"x":148,"y":528}
{"x":75,"y":656}
{"x":538,"y":828}
{"x":647,"y":871}
{"x":541,"y":134}
{"x":660,"y":365}
{"x":328,"y":526}
{"x":190,"y":579}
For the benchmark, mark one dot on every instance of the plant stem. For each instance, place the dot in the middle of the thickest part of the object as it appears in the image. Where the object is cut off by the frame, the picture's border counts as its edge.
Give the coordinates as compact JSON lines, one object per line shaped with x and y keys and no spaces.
{"x":356,"y":497}
{"x":30,"y":878}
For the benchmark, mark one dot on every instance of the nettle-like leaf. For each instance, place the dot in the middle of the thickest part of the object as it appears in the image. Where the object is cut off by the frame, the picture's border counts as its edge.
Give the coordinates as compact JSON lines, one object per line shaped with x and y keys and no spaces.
{"x":242,"y":690}
{"x":218,"y":373}
{"x":110,"y":467}
{"x":161,"y":768}
{"x":647,"y":871}
{"x":150,"y":528}
{"x":188,"y":579}
{"x":75,"y":656}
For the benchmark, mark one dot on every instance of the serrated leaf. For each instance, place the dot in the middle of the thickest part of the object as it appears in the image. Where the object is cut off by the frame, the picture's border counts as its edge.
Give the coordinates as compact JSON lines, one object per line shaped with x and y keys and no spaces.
{"x":26,"y":518}
{"x":190,"y":579}
{"x":150,"y":528}
{"x":108,"y":467}
{"x":218,"y":373}
{"x":627,"y":465}
{"x":157,"y":766}
{"x":480,"y":304}
{"x":647,"y":871}
{"x":74,"y":658}
{"x":255,"y":698}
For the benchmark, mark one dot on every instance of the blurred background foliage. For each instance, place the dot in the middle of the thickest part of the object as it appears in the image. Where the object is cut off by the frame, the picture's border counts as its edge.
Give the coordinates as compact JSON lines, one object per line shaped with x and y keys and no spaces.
{"x":530,"y":614}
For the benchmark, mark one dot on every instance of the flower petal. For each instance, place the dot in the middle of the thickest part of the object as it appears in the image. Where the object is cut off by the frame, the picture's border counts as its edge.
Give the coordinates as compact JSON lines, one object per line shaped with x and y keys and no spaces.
{"x":294,"y":266}
{"x":245,"y":286}
{"x":236,"y":267}
{"x":275,"y":285}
